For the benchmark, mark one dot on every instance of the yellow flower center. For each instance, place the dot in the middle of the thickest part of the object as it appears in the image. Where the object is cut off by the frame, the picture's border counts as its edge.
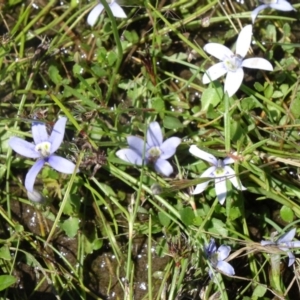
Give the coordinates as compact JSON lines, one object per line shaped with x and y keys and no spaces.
{"x":233,"y":63}
{"x":153,"y":154}
{"x":43,"y":148}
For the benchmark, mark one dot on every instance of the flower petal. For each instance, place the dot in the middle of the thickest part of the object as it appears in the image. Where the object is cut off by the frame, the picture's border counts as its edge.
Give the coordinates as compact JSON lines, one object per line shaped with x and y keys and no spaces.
{"x":291,"y":258}
{"x":117,"y":10}
{"x":136,"y":144}
{"x":61,"y":164}
{"x":163,"y":167}
{"x":221,"y":189}
{"x":225,"y":267}
{"x":243,"y":41}
{"x":256,"y":11}
{"x":202,"y":186}
{"x":130,"y":156}
{"x":233,"y":81}
{"x":23,"y":147}
{"x":217,"y":50}
{"x":211,"y":248}
{"x":32,"y":173}
{"x":94,"y":14}
{"x":233,"y":179}
{"x":57,"y":134}
{"x":154,"y":135}
{"x":257,"y":63}
{"x":36,"y":196}
{"x":214,"y":72}
{"x":203,"y":155}
{"x":228,"y":161}
{"x":267,"y":243}
{"x":168,"y":147}
{"x":295,"y":244}
{"x":39,"y":132}
{"x":287,"y":237}
{"x":282,"y":5}
{"x":223,"y":252}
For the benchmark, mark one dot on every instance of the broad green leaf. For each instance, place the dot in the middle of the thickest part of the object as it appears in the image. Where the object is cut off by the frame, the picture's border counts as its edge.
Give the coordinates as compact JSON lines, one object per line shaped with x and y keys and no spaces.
{"x":5,"y":253}
{"x":259,"y":291}
{"x":171,"y":122}
{"x":70,"y":226}
{"x":286,"y":214}
{"x":6,"y":281}
{"x":164,"y":219}
{"x":210,"y":98}
{"x":54,"y":75}
{"x":187,"y":216}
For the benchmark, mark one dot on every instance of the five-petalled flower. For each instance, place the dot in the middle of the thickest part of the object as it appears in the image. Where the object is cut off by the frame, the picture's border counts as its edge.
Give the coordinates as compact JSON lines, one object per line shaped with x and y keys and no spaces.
{"x":219,"y":172}
{"x":217,"y":257}
{"x":116,"y":10}
{"x":43,"y":149}
{"x":233,"y":64}
{"x":282,"y":5}
{"x":153,"y":151}
{"x":285,"y":243}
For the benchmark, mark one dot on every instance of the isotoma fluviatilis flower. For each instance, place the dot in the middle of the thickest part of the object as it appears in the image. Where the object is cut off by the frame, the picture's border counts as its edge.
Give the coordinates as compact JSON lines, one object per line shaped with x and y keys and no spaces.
{"x":156,"y":150}
{"x":43,"y":148}
{"x":219,"y":172}
{"x":233,"y":64}
{"x":285,"y":243}
{"x":217,"y":258}
{"x":116,"y":10}
{"x":282,"y":5}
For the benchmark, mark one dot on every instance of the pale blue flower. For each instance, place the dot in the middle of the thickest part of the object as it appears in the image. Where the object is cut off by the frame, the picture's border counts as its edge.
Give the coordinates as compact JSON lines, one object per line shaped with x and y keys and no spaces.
{"x":282,"y":5}
{"x":285,"y":243}
{"x":116,"y":10}
{"x":219,"y":172}
{"x":156,"y":151}
{"x":217,"y":258}
{"x":233,"y":64}
{"x":43,"y":149}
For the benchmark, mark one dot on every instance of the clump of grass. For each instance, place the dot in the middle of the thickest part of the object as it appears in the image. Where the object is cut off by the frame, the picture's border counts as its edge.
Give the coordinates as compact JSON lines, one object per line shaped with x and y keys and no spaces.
{"x":116,"y":230}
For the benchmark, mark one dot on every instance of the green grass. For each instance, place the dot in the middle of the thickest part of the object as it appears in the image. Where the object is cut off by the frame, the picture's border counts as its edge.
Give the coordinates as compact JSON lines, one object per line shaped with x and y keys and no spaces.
{"x":103,"y":233}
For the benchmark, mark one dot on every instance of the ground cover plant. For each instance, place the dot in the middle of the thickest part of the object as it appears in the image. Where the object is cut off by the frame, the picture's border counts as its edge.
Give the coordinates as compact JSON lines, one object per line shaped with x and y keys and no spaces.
{"x":149,"y":149}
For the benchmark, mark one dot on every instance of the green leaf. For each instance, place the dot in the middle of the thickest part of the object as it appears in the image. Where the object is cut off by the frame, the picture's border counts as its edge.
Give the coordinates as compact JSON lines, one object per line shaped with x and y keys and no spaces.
{"x":217,"y":226}
{"x":210,"y":98}
{"x":258,"y":87}
{"x":295,"y":106}
{"x":286,"y":214}
{"x":70,"y":226}
{"x":187,"y":216}
{"x":54,"y":75}
{"x":164,"y":219}
{"x":73,"y":205}
{"x":158,"y":104}
{"x":259,"y":291}
{"x":97,"y":244}
{"x":171,"y":122}
{"x":111,"y":58}
{"x":131,"y":36}
{"x":250,"y":103}
{"x":269,"y":90}
{"x":5,"y":253}
{"x":6,"y":281}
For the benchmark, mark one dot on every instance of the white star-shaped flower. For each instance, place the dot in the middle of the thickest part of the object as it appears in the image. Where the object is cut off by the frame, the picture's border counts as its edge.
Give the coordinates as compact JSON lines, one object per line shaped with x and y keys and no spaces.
{"x":218,"y":172}
{"x":116,"y":10}
{"x":217,"y":258}
{"x":233,"y":64}
{"x":285,"y":243}
{"x":282,"y":5}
